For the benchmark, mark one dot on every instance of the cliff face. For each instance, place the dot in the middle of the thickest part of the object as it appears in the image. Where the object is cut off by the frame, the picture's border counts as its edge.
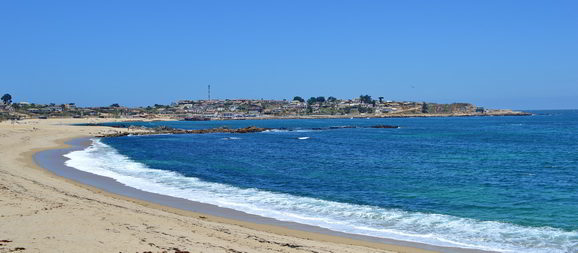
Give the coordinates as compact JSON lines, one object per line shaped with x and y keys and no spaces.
{"x":448,"y":108}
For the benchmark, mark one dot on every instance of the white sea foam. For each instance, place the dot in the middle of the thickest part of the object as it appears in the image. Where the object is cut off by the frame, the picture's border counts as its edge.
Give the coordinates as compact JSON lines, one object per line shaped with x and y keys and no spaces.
{"x":231,"y":138}
{"x":303,"y":138}
{"x":289,"y":130}
{"x":435,"y":229}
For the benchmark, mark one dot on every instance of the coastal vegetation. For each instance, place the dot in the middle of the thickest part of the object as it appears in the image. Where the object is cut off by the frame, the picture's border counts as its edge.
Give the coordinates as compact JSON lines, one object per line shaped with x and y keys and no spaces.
{"x":298,"y":98}
{"x":5,"y":107}
{"x":298,"y":107}
{"x":6,"y":99}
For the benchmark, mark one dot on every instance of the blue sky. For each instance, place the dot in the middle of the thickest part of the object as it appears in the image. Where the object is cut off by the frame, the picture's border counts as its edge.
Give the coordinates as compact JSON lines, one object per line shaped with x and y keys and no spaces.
{"x":501,"y":54}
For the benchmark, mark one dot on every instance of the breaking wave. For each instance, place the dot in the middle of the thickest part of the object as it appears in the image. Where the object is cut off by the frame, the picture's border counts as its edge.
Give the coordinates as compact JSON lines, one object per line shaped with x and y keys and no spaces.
{"x":429,"y":228}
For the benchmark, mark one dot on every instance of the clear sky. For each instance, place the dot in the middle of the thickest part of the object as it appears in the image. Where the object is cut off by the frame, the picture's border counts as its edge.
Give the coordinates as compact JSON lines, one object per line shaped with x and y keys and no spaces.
{"x":499,"y":54}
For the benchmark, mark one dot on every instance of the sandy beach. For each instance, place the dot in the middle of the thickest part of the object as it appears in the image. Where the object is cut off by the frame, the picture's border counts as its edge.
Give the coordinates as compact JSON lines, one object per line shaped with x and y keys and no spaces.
{"x":43,"y":212}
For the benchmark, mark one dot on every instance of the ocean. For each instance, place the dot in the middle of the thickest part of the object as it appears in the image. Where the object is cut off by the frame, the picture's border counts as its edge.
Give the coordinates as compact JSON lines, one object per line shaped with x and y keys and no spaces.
{"x":506,"y":184}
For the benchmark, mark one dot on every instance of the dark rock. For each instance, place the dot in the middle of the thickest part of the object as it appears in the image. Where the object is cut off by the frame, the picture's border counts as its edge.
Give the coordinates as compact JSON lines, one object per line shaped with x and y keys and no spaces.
{"x":385,"y":126}
{"x":170,"y":130}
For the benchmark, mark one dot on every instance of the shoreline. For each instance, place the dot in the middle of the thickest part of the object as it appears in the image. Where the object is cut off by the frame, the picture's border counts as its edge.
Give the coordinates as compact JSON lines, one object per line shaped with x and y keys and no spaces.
{"x":53,"y":161}
{"x":44,"y":212}
{"x":494,"y":113}
{"x":497,"y":113}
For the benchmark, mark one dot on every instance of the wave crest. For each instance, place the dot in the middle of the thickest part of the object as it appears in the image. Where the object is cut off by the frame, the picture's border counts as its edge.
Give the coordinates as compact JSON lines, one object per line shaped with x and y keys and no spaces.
{"x":435,"y":229}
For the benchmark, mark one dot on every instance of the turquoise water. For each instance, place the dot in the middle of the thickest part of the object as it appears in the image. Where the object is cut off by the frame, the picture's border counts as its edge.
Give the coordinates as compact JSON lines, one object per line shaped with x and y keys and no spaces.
{"x":496,"y":183}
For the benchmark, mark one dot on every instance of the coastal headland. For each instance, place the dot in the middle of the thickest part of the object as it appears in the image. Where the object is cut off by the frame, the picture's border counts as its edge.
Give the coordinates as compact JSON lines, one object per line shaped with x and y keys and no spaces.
{"x":43,"y":212}
{"x":242,"y":109}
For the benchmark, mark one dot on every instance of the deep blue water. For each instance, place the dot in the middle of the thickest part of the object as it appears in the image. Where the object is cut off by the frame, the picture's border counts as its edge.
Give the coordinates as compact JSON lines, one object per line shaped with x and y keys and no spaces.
{"x":518,"y":171}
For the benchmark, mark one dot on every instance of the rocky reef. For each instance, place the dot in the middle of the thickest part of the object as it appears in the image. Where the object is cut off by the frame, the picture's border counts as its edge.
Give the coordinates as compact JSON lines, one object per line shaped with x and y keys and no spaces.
{"x":140,"y":130}
{"x":170,"y":130}
{"x":385,"y":126}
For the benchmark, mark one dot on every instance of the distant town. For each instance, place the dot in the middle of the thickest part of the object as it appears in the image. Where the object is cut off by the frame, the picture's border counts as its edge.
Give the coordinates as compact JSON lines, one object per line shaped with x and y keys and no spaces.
{"x":217,"y":109}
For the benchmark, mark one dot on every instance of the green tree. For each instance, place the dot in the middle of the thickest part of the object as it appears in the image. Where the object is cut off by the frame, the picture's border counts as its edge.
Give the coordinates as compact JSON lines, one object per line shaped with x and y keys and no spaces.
{"x":365,"y":110}
{"x":331,"y":99}
{"x":366,"y":99}
{"x":115,"y":105}
{"x":424,"y":108}
{"x":7,"y":99}
{"x":320,"y":99}
{"x":311,"y":100}
{"x":380,"y":100}
{"x":298,"y":98}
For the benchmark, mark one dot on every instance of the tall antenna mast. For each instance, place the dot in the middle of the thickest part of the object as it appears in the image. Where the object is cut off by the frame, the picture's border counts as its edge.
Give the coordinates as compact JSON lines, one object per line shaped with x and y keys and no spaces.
{"x":209,"y":92}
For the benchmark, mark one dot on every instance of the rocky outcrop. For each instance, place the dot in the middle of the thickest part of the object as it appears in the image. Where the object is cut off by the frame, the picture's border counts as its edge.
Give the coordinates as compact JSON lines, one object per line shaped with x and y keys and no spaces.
{"x":140,"y":130}
{"x":170,"y":130}
{"x":454,"y":108}
{"x":505,"y":113}
{"x":385,"y":126}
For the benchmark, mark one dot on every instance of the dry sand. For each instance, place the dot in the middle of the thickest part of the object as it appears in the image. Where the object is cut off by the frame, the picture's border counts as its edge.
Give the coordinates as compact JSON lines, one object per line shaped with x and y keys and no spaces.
{"x":42,"y":212}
